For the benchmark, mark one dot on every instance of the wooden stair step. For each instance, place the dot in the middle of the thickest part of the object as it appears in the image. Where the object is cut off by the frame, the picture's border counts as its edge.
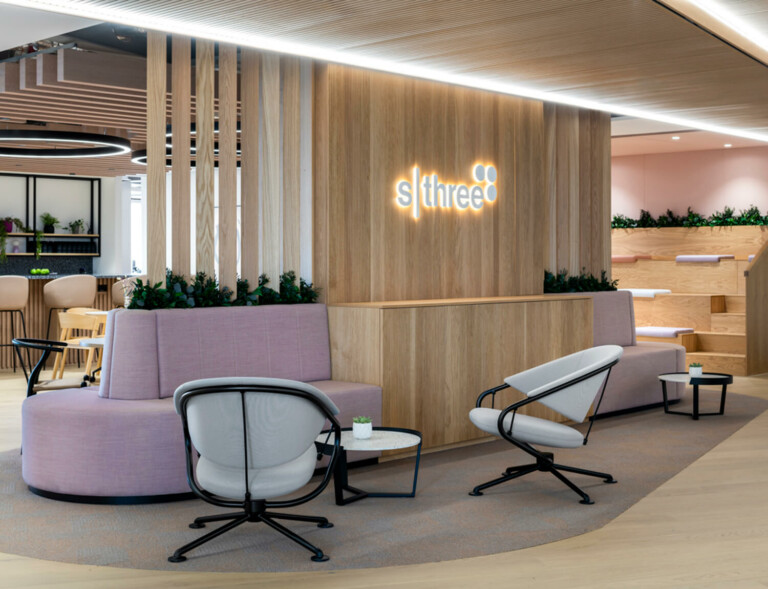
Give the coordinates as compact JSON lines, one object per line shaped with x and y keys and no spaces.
{"x":735,"y":364}
{"x":727,"y":343}
{"x":735,"y":304}
{"x":679,"y":310}
{"x":729,"y":323}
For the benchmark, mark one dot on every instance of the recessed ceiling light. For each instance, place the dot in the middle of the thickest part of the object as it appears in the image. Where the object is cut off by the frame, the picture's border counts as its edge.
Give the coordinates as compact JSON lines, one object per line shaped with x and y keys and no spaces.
{"x":675,"y":138}
{"x":727,"y":145}
{"x":131,"y":14}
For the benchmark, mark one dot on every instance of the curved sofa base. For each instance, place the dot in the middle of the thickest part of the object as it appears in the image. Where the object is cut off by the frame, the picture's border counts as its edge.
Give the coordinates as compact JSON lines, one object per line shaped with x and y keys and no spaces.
{"x":140,"y":500}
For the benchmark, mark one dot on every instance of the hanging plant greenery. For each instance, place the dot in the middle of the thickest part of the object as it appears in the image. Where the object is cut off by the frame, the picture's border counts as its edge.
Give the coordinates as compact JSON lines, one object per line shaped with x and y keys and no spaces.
{"x":726,"y":218}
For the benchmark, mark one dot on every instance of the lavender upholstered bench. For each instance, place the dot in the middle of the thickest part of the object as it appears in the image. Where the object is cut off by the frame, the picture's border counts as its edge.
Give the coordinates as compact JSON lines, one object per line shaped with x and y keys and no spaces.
{"x":633,"y":382}
{"x":123,"y":442}
{"x":704,"y":258}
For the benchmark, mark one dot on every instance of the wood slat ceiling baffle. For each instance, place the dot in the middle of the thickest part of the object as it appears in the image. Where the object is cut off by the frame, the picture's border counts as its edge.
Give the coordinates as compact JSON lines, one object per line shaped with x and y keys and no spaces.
{"x":625,"y":52}
{"x":78,"y":89}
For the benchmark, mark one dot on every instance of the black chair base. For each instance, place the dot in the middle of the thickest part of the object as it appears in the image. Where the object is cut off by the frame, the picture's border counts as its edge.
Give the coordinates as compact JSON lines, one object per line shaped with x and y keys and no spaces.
{"x":545,"y":463}
{"x":255,"y":512}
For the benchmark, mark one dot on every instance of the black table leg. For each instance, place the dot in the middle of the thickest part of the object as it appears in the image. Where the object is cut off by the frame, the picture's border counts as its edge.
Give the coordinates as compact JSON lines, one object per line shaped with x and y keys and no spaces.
{"x":341,"y":482}
{"x":722,"y":400}
{"x":664,"y":395}
{"x":695,"y":401}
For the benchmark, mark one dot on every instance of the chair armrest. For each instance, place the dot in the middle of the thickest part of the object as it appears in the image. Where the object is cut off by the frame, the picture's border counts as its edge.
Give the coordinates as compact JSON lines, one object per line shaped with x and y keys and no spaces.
{"x":491,"y":392}
{"x":47,"y":346}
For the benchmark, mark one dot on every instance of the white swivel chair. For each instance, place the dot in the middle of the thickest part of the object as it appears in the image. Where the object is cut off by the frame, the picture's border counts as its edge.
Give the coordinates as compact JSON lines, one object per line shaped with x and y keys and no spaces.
{"x":256,"y":442}
{"x":569,"y":385}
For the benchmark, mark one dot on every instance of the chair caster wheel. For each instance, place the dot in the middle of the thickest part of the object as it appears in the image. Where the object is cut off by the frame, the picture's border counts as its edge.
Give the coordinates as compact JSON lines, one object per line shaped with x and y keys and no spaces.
{"x":177,"y":558}
{"x":196,"y":526}
{"x":319,"y":557}
{"x":587,"y":501}
{"x":325,"y":525}
{"x":611,"y":482}
{"x":474,"y":493}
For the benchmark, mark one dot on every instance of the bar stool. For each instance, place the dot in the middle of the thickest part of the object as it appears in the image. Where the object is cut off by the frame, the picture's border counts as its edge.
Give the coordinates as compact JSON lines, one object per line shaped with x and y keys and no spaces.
{"x":14,"y":292}
{"x":69,"y":291}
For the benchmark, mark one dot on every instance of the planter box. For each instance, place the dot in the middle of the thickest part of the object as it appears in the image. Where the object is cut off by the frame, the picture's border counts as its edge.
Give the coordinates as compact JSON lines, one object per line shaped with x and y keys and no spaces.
{"x":668,"y":242}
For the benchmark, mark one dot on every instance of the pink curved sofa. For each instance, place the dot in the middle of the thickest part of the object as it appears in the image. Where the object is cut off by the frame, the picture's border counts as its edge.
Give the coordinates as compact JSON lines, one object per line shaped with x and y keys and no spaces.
{"x":123,"y":442}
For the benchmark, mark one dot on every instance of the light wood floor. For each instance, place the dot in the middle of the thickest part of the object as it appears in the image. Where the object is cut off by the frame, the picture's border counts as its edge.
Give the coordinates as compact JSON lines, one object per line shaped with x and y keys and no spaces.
{"x":707,"y":527}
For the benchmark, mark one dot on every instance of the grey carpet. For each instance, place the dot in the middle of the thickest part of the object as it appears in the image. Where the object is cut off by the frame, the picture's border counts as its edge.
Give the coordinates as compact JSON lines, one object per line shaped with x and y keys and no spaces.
{"x":641,"y":450}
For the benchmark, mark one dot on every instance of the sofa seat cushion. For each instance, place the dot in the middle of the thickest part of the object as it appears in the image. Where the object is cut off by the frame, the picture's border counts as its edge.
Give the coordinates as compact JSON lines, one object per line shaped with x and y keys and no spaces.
{"x":78,"y":443}
{"x":657,"y":331}
{"x":635,"y":377}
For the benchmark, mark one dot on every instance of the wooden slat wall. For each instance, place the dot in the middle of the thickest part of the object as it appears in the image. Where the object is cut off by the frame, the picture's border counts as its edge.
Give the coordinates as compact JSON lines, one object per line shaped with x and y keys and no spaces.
{"x":578,"y":190}
{"x":291,"y":70}
{"x":228,"y":166}
{"x":204,"y":69}
{"x":36,"y":317}
{"x":249,"y":162}
{"x":370,"y":130}
{"x":156,"y":87}
{"x":181,"y":122}
{"x":271,"y":244}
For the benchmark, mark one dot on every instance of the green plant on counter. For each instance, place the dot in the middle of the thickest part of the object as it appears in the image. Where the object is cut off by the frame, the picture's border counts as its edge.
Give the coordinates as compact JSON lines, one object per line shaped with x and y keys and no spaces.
{"x":669,"y":219}
{"x":695,"y":365}
{"x":561,"y":282}
{"x":622,"y":222}
{"x":726,"y":218}
{"x":77,"y":226}
{"x":751,"y":216}
{"x":692,"y":219}
{"x":205,"y":291}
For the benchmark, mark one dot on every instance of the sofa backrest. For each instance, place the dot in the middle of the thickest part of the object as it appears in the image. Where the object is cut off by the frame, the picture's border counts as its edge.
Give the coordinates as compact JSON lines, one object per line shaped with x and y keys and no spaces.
{"x":613,"y":314}
{"x":148,"y":354}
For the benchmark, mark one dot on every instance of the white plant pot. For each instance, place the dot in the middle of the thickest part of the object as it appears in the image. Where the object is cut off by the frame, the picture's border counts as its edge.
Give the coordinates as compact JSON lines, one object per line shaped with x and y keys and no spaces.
{"x":362,"y":431}
{"x":695,"y":370}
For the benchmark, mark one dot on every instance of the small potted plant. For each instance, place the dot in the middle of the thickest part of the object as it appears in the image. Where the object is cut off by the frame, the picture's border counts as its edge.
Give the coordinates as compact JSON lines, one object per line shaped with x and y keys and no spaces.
{"x":76,"y":226}
{"x":362,"y":428}
{"x":695,"y":369}
{"x":49,"y":222}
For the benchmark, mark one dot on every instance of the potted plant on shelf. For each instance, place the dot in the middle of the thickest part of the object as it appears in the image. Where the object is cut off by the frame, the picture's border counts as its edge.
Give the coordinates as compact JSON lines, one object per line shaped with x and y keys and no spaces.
{"x":49,"y":222}
{"x":362,"y":428}
{"x":695,"y":369}
{"x":76,"y":226}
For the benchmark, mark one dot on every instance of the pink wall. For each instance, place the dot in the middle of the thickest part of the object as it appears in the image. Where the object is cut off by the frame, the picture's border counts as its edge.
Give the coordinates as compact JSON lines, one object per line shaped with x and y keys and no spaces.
{"x":706,"y":181}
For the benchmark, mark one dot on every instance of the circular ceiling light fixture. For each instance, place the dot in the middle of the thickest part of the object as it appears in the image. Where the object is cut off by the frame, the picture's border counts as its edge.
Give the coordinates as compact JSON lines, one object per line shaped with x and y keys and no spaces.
{"x":99,"y":145}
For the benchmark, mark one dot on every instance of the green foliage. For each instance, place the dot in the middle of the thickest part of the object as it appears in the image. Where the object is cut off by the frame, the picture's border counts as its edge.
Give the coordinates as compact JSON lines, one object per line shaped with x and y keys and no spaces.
{"x":4,"y":235}
{"x":694,"y":219}
{"x":646,"y":219}
{"x":726,"y":218}
{"x":694,"y":365}
{"x":561,"y":282}
{"x":38,"y":244}
{"x":76,"y":226}
{"x":206,"y":292}
{"x":48,"y":219}
{"x":16,"y":221}
{"x":361,"y":419}
{"x":289,"y":293}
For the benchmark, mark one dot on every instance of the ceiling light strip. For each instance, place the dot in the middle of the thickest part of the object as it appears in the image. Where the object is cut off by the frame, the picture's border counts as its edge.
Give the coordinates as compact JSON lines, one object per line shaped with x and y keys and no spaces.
{"x":129,"y":17}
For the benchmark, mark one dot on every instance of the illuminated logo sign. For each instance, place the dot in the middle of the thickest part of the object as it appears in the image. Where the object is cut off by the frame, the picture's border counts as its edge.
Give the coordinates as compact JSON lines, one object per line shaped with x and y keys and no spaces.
{"x":428,"y":192}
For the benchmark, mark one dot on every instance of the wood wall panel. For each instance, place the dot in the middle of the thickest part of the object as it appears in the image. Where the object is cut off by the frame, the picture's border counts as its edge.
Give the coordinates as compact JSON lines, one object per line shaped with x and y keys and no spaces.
{"x":204,"y":76}
{"x":757,"y":313}
{"x":291,"y":72}
{"x":270,"y":173}
{"x":578,"y":189}
{"x":156,"y":87}
{"x":370,"y":130}
{"x":228,"y":166}
{"x":668,"y":242}
{"x":249,"y":164}
{"x":725,"y":277}
{"x":181,"y":139}
{"x":432,"y":387}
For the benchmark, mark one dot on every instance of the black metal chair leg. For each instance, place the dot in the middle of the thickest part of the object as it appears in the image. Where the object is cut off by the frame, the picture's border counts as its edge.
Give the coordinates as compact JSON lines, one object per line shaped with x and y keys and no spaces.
{"x":29,"y":360}
{"x":477,"y":490}
{"x":584,"y":497}
{"x":177,"y":556}
{"x":322,"y":522}
{"x":206,"y":519}
{"x":513,"y":469}
{"x":591,"y":473}
{"x":318,"y":557}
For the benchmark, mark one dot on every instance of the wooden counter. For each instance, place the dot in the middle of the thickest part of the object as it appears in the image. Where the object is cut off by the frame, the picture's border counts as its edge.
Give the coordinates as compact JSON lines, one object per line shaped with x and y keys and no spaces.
{"x":36,"y":314}
{"x":433,"y":357}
